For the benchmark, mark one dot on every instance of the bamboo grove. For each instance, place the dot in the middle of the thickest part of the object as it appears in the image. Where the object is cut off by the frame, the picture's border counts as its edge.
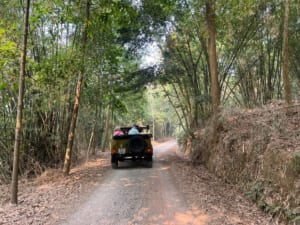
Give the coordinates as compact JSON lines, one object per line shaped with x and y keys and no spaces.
{"x":256,"y":46}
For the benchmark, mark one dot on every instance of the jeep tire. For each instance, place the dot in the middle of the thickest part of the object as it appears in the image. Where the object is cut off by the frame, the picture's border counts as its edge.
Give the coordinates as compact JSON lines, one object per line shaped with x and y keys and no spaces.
{"x":148,"y":161}
{"x":114,"y":164}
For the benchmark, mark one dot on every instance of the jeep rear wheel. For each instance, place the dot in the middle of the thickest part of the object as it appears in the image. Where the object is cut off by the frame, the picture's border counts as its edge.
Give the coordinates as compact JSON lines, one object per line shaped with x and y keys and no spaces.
{"x":114,"y":164}
{"x":148,"y":161}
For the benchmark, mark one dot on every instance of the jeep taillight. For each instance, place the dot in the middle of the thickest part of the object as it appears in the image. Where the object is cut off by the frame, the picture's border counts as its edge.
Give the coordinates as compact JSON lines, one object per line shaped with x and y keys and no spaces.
{"x":149,"y":150}
{"x":114,"y":151}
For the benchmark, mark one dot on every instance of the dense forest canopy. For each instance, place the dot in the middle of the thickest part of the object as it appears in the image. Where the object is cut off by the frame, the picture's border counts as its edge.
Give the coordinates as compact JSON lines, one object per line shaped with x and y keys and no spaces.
{"x":174,"y":96}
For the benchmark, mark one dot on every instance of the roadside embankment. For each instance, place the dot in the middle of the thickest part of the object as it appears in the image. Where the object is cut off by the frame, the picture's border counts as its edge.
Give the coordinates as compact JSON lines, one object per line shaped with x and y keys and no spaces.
{"x":257,"y":150}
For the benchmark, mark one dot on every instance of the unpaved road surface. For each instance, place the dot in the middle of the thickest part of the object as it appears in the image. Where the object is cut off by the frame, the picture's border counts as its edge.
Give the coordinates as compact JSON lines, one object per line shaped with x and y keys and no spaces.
{"x":173,"y":192}
{"x":170,"y":193}
{"x":134,"y":194}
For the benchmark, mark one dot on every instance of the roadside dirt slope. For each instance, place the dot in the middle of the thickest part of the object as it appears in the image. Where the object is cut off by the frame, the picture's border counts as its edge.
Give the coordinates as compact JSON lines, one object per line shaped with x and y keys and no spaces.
{"x":52,"y":198}
{"x":257,"y":150}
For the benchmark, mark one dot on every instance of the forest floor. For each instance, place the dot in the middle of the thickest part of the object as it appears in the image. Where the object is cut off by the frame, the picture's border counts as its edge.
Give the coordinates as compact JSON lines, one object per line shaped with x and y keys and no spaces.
{"x":51,"y":197}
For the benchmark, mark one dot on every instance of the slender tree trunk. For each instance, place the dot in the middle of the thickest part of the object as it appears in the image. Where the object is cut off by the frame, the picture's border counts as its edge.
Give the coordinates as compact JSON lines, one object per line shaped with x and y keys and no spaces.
{"x":153,"y":128}
{"x":95,"y":133}
{"x":285,"y":56}
{"x":182,"y":106}
{"x":213,"y":65}
{"x":181,"y":123}
{"x":106,"y":129}
{"x":67,"y":163}
{"x":18,"y":130}
{"x":92,"y":138}
{"x":152,"y":114}
{"x":91,"y":146}
{"x":71,"y":135}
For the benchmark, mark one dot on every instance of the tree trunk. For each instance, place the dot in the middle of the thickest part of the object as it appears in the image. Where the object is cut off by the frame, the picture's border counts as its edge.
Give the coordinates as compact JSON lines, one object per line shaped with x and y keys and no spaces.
{"x":152,"y":114}
{"x":71,"y":135}
{"x":285,"y":54}
{"x":95,"y":133}
{"x":106,"y":129}
{"x":91,"y":141}
{"x":18,"y":130}
{"x":213,"y":66}
{"x":67,"y":162}
{"x":153,"y":128}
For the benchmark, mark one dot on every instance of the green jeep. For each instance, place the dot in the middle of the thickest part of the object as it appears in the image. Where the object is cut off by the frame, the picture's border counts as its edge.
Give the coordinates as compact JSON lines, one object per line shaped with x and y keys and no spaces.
{"x":132,"y":147}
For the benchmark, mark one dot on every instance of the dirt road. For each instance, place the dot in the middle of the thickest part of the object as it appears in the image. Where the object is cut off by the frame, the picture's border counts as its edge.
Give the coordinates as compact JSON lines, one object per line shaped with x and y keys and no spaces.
{"x":134,"y":194}
{"x":173,"y":192}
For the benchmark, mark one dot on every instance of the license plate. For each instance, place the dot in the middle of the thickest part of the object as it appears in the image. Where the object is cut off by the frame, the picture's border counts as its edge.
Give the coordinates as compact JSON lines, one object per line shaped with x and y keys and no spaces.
{"x":122,"y":150}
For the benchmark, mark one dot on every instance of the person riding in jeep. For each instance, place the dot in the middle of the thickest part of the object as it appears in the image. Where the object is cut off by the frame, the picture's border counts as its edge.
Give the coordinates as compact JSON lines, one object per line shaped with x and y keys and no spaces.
{"x":134,"y":130}
{"x":118,"y":132}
